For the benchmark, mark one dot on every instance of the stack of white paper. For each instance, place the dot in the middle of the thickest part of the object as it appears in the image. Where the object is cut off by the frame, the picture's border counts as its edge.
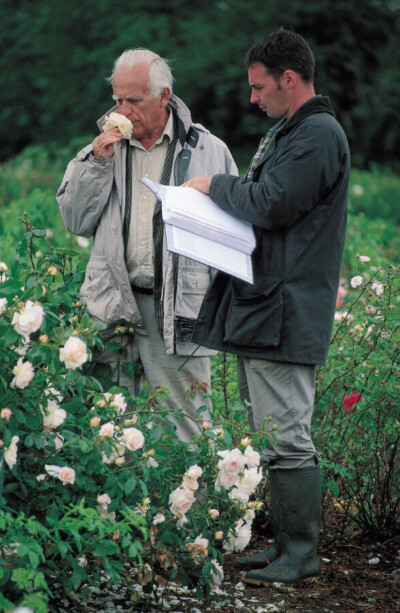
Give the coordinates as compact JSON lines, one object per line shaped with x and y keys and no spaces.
{"x":197,"y":228}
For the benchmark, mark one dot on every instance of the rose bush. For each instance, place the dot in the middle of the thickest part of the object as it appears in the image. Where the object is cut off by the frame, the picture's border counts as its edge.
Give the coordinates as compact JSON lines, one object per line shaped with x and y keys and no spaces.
{"x":91,"y":477}
{"x":356,"y":418}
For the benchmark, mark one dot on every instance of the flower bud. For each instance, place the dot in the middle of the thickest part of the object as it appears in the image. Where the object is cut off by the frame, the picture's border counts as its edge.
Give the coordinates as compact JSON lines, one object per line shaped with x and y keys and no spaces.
{"x":6,"y":414}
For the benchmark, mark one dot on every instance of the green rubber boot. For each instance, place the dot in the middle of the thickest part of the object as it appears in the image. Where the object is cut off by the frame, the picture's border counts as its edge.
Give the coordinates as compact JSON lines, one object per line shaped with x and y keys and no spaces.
{"x":265,"y":557}
{"x":299,"y":504}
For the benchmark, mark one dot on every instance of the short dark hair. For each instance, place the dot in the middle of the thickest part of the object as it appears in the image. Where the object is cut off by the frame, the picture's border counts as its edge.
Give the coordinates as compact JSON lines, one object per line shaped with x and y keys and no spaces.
{"x":283,"y":50}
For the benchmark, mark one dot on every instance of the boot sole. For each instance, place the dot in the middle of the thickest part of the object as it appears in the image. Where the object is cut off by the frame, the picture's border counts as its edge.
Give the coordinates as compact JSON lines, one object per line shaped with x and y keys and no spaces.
{"x":261,"y":583}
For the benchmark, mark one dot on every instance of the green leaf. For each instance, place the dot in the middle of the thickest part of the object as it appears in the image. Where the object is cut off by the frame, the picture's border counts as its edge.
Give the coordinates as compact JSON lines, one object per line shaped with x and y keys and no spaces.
{"x":63,"y":548}
{"x":106,"y":548}
{"x":77,"y":577}
{"x":39,"y":233}
{"x":33,"y":558}
{"x":9,"y":288}
{"x":130,"y":485}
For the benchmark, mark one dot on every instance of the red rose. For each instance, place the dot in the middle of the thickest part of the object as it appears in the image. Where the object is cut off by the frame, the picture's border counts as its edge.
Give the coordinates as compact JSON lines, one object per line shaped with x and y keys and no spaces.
{"x":350,"y":401}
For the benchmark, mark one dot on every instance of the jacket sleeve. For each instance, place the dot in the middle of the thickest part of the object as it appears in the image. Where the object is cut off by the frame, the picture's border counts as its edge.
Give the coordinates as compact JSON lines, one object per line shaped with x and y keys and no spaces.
{"x":304,"y":172}
{"x":85,"y":191}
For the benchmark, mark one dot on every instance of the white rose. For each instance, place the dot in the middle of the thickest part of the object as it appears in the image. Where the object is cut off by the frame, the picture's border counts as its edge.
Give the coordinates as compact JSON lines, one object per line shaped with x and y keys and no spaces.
{"x":230,"y":467}
{"x":201,"y":542}
{"x":11,"y":452}
{"x":181,"y":500}
{"x":5,"y":414}
{"x":243,"y":536}
{"x":28,"y":319}
{"x":378,"y":288}
{"x":152,"y":463}
{"x":224,"y":480}
{"x":246,"y":485}
{"x":58,"y":442}
{"x":132,"y":438}
{"x":74,"y":353}
{"x":107,"y":429}
{"x":3,"y":305}
{"x":217,"y":574}
{"x":239,"y":539}
{"x":22,"y":350}
{"x":24,"y":374}
{"x":252,"y":457}
{"x":103,"y":500}
{"x":194,"y":472}
{"x":51,"y":391}
{"x":117,"y":401}
{"x":115,"y":456}
{"x":53,"y":415}
{"x":159,"y":518}
{"x":116,"y":120}
{"x":64,"y":473}
{"x":249,"y":515}
{"x":356,"y":281}
{"x":190,"y":483}
{"x":232,"y":461}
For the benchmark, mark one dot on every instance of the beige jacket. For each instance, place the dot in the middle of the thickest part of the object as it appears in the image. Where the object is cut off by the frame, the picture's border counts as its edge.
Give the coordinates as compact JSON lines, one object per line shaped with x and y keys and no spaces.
{"x":92,"y":202}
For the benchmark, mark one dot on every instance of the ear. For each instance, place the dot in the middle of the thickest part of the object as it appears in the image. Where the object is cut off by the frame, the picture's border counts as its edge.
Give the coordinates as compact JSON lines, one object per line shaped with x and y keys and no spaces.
{"x":165,"y":96}
{"x":289,"y":79}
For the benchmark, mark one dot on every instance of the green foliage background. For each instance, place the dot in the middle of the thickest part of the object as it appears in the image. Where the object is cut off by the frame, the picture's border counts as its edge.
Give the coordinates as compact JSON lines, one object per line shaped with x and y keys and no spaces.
{"x":55,"y":56}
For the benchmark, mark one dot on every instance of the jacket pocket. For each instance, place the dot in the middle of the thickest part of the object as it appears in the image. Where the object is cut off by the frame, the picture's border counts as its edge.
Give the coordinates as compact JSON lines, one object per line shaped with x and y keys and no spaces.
{"x":192,"y":284}
{"x":99,"y":290}
{"x":256,"y":321}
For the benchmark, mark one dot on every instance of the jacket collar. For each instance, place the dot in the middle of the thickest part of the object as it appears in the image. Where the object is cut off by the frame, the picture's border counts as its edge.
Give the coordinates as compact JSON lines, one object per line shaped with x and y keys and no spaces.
{"x":317,"y":104}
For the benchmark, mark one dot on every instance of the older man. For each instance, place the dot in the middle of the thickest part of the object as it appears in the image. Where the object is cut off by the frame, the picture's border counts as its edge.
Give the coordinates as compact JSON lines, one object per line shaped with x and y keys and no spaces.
{"x":295,"y":195}
{"x":131,"y":278}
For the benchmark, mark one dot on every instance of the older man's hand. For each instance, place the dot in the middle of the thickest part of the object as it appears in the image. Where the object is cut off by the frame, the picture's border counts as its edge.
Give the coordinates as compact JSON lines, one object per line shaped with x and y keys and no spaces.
{"x":103,"y":145}
{"x":202,"y":184}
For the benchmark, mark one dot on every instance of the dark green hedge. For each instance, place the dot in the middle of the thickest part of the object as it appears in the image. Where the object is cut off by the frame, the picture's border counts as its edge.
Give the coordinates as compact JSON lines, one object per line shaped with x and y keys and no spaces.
{"x":56,"y":54}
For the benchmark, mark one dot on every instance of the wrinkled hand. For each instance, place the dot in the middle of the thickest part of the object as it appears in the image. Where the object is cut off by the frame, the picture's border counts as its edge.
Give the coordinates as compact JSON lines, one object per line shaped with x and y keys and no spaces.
{"x":103,"y":145}
{"x":202,"y":184}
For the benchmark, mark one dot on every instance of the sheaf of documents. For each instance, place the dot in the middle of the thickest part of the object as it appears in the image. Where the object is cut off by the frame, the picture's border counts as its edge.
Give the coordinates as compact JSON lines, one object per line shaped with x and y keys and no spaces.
{"x":197,"y":228}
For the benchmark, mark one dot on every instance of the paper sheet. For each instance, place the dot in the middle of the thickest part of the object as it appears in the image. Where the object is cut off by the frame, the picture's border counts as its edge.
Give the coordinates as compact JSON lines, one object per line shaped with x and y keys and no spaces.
{"x":197,"y":228}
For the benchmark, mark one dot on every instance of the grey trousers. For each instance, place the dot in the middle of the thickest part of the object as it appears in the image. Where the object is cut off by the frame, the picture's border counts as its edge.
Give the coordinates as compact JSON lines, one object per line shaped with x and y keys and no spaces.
{"x":285,"y":392}
{"x":160,"y":369}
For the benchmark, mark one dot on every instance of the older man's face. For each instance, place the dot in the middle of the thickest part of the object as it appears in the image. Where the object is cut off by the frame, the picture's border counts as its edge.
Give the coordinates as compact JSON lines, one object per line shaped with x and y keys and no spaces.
{"x":132,"y":95}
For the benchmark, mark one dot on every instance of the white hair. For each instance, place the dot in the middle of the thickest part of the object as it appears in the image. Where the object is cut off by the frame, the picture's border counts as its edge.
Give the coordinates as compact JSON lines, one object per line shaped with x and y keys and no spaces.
{"x":160,"y":75}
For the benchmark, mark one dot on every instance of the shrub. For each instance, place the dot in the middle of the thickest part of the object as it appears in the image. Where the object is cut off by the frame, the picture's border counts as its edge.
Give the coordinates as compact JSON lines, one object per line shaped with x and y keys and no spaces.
{"x":93,"y":478}
{"x":356,"y":421}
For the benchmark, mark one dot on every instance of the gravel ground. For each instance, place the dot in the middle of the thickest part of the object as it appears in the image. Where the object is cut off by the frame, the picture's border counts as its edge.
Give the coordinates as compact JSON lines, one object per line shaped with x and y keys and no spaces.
{"x":358,"y":575}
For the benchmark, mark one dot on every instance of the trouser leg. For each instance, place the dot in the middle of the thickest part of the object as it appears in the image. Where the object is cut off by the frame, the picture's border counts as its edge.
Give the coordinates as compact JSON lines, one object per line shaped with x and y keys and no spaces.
{"x":285,"y":393}
{"x":115,"y":359}
{"x":174,"y":372}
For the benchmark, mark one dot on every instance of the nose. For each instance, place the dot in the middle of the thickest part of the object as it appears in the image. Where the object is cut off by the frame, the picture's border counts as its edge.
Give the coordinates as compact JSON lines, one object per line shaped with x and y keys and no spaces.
{"x":124,"y":108}
{"x":254,"y":98}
